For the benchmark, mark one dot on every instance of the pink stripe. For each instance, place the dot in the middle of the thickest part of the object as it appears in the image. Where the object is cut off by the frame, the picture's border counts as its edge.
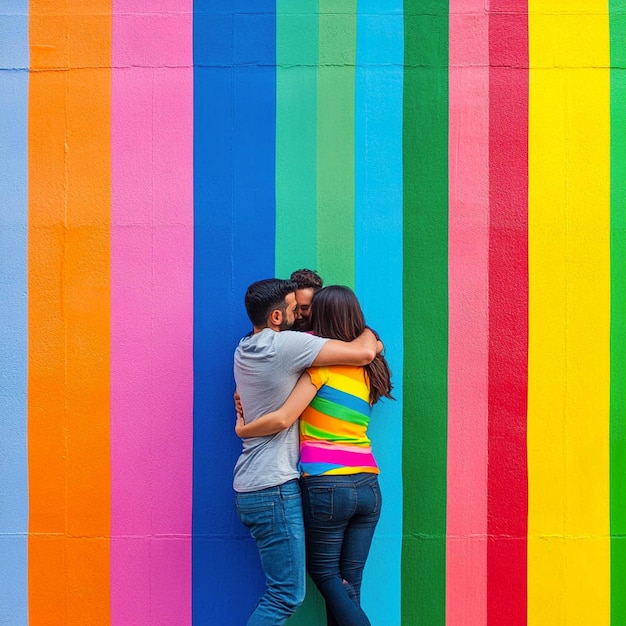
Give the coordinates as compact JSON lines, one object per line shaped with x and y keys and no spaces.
{"x":326,"y":445}
{"x":151,"y":312}
{"x":312,"y":454}
{"x":466,"y":546}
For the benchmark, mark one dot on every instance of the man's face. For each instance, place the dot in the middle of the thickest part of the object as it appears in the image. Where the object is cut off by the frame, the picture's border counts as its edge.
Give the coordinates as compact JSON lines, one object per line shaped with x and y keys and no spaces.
{"x":303,"y":313}
{"x":289,"y":316}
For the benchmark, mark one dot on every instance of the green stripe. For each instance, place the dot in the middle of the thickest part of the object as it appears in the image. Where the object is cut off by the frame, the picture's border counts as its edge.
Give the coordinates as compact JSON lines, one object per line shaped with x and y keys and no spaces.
{"x":336,"y":81}
{"x":425,"y":310}
{"x":339,"y":411}
{"x":319,"y":433}
{"x":618,"y":312}
{"x":296,"y":135}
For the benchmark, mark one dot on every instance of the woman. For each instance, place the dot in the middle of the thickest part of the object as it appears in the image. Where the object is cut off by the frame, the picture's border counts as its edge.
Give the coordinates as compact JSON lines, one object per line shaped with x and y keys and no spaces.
{"x":341,"y":497}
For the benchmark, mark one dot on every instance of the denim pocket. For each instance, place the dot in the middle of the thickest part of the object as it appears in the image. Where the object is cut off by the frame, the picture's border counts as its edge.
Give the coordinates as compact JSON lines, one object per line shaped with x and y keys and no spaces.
{"x":259,"y":518}
{"x":378,"y":498}
{"x":320,"y":501}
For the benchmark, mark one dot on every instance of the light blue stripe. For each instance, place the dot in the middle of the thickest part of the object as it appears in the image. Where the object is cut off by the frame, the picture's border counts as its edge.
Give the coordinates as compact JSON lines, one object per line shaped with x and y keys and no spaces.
{"x":14,"y":60}
{"x":378,"y":220}
{"x":344,"y":399}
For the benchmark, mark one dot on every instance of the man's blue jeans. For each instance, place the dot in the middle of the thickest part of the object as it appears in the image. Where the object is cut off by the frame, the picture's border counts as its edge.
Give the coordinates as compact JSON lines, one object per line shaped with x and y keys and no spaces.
{"x":274,"y":517}
{"x":340,"y":516}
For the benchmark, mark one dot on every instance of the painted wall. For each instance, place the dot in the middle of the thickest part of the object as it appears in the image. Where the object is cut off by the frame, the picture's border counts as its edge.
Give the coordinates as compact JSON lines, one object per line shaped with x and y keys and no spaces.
{"x":459,"y":163}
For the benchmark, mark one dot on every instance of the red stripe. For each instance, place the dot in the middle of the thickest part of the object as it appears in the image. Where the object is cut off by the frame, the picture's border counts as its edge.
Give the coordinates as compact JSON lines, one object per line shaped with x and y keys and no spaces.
{"x":508,"y":313}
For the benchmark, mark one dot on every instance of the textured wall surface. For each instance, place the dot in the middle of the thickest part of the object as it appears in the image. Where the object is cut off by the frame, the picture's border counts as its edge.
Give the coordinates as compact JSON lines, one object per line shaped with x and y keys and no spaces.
{"x":459,"y":163}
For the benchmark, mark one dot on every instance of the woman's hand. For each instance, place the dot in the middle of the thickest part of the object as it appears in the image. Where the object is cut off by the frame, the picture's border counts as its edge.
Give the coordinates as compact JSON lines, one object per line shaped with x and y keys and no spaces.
{"x":239,"y":424}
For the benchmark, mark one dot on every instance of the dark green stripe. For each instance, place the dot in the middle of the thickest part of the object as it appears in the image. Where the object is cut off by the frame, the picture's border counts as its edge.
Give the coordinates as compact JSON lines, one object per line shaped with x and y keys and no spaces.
{"x":618,"y":312}
{"x":425,"y":308}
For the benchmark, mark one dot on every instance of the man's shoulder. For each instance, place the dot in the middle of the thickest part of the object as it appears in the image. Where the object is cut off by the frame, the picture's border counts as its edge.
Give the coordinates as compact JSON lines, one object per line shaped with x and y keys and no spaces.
{"x":255,"y":344}
{"x":293,"y":335}
{"x":271,"y":341}
{"x":299,"y":340}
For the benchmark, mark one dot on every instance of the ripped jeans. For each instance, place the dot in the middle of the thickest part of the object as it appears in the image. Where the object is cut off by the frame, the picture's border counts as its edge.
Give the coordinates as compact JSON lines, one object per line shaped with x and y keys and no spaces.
{"x":340,"y":516}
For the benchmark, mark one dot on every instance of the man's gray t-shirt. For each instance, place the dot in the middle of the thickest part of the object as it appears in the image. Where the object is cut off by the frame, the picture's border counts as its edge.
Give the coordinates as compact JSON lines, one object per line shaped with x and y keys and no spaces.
{"x":267,"y":367}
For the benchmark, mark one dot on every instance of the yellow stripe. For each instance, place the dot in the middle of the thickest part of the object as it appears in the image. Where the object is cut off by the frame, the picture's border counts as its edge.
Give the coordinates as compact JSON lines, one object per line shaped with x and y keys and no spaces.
{"x":568,"y":395}
{"x":349,"y":380}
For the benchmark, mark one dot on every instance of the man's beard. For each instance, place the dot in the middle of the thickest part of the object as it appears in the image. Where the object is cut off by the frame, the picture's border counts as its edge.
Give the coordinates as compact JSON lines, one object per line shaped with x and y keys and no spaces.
{"x":301,"y":325}
{"x":285,"y":325}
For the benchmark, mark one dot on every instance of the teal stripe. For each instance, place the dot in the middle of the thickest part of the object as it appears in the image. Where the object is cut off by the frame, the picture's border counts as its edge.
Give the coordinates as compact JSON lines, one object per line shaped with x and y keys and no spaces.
{"x":296,"y":135}
{"x":425,"y":273}
{"x":618,"y":312}
{"x":334,"y":179}
{"x":335,"y":141}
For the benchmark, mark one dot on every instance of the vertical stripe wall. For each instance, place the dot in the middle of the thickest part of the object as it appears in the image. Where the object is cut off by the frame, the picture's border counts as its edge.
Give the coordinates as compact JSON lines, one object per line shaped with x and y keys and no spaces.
{"x":460,"y":165}
{"x":69,"y":197}
{"x":151,"y":313}
{"x":234,"y":208}
{"x":14,"y":64}
{"x":425,"y":310}
{"x":297,"y":36}
{"x":618,"y":310}
{"x":335,"y":140}
{"x":468,"y":322}
{"x":569,"y":383}
{"x":507,"y":490}
{"x":378,"y":284}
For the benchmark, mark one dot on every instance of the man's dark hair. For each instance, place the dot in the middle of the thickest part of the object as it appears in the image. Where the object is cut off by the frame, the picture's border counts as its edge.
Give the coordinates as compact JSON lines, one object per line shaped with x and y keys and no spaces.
{"x":266,"y":295}
{"x":307,"y":279}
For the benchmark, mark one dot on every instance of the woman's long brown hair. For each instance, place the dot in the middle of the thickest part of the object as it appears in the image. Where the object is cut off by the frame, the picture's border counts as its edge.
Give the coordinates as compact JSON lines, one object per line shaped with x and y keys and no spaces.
{"x":336,"y":314}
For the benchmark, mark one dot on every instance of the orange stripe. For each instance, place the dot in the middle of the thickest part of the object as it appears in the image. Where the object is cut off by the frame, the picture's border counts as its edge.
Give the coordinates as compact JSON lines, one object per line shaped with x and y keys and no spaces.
{"x":68,"y":282}
{"x":330,"y":424}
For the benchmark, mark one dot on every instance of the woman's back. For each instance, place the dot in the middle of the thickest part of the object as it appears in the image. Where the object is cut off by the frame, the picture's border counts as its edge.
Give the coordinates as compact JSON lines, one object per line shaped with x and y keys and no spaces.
{"x":333,"y":428}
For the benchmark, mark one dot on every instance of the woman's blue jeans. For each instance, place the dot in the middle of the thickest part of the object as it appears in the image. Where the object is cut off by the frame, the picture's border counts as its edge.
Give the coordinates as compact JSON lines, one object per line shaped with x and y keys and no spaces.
{"x":340,"y":516}
{"x":274,"y":517}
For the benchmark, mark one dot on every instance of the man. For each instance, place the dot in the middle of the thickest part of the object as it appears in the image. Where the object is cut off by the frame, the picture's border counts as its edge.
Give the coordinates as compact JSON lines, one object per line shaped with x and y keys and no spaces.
{"x":268,"y":364}
{"x":308,"y":283}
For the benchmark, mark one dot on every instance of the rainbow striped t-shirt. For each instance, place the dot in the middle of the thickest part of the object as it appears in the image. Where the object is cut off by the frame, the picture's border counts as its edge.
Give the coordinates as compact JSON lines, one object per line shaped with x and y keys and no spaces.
{"x":333,"y":428}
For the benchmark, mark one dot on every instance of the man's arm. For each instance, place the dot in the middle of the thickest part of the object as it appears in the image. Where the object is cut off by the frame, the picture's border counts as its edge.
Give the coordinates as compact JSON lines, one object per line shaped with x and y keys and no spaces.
{"x":360,"y":351}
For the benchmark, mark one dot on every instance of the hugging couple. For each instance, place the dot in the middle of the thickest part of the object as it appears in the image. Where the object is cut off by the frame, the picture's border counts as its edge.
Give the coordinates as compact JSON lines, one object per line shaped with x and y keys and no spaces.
{"x":310,"y":480}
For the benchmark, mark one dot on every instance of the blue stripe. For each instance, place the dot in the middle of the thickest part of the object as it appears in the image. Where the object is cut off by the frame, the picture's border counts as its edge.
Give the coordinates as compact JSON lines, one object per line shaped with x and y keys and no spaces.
{"x":378,"y":221}
{"x":234,"y":129}
{"x":14,"y":62}
{"x":344,"y":399}
{"x":317,"y":469}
